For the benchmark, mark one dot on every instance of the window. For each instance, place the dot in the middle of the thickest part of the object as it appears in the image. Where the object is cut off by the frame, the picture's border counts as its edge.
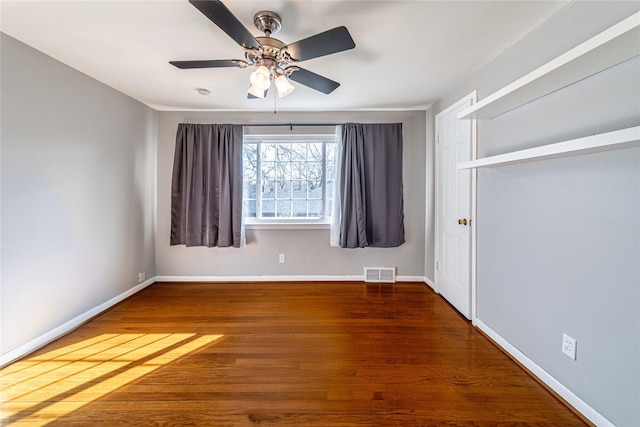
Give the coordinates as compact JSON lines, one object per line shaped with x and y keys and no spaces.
{"x":288,"y":179}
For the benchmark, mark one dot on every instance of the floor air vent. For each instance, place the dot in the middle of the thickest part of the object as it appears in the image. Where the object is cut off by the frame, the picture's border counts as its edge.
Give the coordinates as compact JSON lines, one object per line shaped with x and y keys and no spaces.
{"x":380,"y":274}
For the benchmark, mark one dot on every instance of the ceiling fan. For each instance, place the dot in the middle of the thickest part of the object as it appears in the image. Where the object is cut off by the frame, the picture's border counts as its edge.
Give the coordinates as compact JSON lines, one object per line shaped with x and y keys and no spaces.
{"x":273,"y":59}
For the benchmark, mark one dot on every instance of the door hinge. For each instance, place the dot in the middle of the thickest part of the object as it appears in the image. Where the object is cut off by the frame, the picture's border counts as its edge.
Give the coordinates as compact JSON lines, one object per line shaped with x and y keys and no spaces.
{"x":438,"y":138}
{"x":437,"y":265}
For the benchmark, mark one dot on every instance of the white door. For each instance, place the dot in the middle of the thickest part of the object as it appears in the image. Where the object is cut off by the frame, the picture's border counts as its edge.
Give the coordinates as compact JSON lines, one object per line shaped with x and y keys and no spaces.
{"x":453,"y":207}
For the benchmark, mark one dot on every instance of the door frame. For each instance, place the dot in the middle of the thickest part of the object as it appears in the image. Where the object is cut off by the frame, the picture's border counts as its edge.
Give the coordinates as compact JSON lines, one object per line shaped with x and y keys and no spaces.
{"x":473,"y":202}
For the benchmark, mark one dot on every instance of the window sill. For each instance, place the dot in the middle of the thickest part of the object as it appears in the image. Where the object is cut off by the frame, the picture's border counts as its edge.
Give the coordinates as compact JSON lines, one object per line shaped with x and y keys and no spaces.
{"x":287,"y":225}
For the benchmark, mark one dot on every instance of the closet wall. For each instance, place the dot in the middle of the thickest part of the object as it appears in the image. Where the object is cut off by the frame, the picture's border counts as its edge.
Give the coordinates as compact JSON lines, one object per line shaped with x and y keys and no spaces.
{"x":558,"y":241}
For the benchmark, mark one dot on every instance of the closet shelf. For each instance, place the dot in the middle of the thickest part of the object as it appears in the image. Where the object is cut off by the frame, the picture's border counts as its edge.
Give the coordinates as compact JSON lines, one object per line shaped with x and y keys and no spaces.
{"x":624,"y":138}
{"x":611,"y":47}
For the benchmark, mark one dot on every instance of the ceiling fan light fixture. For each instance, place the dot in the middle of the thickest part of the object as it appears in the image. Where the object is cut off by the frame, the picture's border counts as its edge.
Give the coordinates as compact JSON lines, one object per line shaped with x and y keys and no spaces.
{"x":284,"y":86}
{"x":258,"y":93}
{"x":261,"y":78}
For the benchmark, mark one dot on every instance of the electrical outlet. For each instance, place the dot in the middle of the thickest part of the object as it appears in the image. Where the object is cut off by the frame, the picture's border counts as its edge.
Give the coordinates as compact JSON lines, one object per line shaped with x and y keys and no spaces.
{"x":142,"y":276}
{"x":281,"y":258}
{"x":569,"y":346}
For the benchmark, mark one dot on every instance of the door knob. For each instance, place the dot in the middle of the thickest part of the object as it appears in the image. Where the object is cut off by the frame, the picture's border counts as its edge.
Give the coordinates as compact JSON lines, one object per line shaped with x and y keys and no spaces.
{"x":462,"y":221}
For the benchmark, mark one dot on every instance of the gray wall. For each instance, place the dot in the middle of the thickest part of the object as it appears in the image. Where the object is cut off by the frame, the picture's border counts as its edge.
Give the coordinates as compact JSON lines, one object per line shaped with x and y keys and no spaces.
{"x":78,"y":193}
{"x":430,"y":201}
{"x":307,"y":251}
{"x":559,"y":240}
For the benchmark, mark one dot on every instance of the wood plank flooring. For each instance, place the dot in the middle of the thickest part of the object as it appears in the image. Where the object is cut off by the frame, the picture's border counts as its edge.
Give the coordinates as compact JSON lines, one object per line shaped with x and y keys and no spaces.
{"x":276,"y":354}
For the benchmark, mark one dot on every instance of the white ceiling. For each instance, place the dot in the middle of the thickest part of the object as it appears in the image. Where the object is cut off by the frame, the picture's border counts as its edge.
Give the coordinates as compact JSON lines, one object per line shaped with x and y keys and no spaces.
{"x":408,"y":54}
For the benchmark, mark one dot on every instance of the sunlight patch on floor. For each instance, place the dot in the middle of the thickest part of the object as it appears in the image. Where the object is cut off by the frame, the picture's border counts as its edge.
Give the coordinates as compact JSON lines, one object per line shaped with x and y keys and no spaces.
{"x":45,"y":387}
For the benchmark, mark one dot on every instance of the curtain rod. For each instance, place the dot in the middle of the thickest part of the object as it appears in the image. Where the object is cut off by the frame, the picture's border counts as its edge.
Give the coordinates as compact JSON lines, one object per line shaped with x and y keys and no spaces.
{"x":302,"y":124}
{"x":291,"y":125}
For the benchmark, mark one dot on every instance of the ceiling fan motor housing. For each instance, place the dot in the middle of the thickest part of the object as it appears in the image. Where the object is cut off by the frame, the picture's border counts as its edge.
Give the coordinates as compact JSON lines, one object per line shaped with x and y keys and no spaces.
{"x":272,"y":55}
{"x":268,"y":22}
{"x":271,"y":49}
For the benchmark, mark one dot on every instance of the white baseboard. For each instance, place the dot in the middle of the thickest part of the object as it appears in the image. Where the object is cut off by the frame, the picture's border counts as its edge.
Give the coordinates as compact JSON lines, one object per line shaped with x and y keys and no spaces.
{"x":419,"y":279}
{"x":66,"y":327}
{"x":292,"y":278}
{"x":429,"y":282}
{"x":573,"y":400}
{"x":299,"y":278}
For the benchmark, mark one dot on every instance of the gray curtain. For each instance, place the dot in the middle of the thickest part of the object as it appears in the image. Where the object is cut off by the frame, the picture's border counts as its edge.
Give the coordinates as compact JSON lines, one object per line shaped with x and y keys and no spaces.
{"x":371,"y":186}
{"x":206,"y":187}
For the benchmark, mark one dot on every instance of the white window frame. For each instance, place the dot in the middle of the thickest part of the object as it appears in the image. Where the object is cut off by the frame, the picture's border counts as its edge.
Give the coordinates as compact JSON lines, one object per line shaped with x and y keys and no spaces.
{"x":304,"y":223}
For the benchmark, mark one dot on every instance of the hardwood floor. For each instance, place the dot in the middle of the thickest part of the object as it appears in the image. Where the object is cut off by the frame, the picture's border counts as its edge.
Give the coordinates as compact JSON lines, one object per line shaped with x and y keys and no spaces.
{"x":281,"y":354}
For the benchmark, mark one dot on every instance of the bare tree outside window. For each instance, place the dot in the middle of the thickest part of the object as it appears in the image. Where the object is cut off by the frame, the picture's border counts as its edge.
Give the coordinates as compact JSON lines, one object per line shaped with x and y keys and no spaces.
{"x":289,"y":179}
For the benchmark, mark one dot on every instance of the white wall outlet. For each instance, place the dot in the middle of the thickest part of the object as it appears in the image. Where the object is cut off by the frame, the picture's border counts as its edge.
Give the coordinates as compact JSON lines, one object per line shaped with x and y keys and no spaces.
{"x":569,"y":346}
{"x":142,"y":276}
{"x":281,"y":258}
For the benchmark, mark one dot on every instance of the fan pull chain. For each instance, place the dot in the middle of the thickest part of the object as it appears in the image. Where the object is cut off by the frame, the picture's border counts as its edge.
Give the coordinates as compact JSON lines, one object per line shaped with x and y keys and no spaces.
{"x":275,"y":98}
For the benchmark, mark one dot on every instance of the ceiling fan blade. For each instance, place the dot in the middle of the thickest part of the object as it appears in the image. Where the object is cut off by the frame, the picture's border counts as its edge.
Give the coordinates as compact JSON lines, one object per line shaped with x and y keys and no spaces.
{"x":331,"y":41}
{"x":313,"y":80}
{"x":218,"y":13}
{"x":205,"y":64}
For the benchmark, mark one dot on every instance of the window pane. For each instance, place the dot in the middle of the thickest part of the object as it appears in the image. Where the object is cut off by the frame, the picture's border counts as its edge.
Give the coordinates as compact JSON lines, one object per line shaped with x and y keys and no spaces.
{"x":269,"y":170}
{"x":250,"y":188}
{"x":298,"y":170}
{"x":314,"y":174}
{"x":250,"y":161}
{"x":331,"y":152}
{"x":315,"y":192}
{"x":331,"y":168}
{"x":268,"y":152}
{"x":315,"y":151}
{"x":283,"y":152}
{"x":283,"y":190}
{"x":300,"y":208}
{"x":249,"y":208}
{"x":283,"y":170}
{"x":249,"y":173}
{"x":268,"y":208}
{"x":331,"y":171}
{"x":284,"y":209}
{"x":315,"y":208}
{"x":268,"y":189}
{"x":299,"y":189}
{"x":298,"y":151}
